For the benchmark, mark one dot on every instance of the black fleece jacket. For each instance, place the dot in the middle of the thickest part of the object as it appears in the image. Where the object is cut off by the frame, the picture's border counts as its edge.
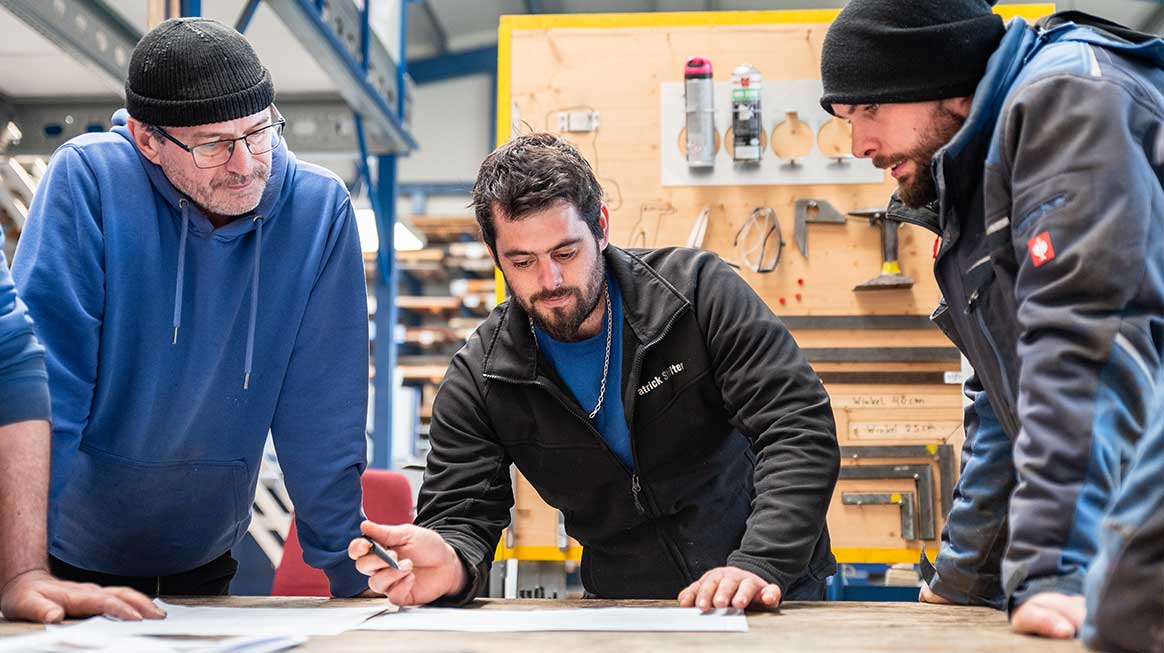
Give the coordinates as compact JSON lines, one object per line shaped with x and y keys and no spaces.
{"x":732,"y":435}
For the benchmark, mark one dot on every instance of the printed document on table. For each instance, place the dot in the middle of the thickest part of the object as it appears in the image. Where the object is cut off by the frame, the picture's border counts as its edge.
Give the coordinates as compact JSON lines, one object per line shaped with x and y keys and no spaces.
{"x":224,"y":621}
{"x":61,"y":639}
{"x":581,"y":619}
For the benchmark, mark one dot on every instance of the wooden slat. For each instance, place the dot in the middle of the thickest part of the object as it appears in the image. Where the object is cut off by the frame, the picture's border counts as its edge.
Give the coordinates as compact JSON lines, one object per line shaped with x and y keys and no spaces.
{"x":428,"y":303}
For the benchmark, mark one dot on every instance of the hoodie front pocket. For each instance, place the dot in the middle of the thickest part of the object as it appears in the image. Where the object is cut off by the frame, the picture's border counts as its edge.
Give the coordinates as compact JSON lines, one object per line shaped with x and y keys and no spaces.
{"x":122,"y":516}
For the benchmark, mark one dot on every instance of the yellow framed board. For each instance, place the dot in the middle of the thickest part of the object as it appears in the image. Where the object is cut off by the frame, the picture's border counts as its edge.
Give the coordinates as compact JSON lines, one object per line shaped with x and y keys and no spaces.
{"x":865,"y":345}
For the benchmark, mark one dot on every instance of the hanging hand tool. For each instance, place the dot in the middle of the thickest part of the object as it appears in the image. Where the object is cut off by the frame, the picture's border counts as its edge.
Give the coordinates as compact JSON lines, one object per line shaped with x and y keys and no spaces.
{"x":815,"y":212}
{"x":699,"y":229}
{"x":891,"y":277}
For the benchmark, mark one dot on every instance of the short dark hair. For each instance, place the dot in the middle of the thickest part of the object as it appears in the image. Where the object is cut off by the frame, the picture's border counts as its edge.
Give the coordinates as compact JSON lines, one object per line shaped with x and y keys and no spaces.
{"x":529,"y":174}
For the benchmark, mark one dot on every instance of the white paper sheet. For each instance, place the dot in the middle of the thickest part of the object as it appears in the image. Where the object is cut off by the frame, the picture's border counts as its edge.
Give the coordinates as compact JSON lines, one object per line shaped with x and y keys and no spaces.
{"x":582,"y":619}
{"x":222,"y":621}
{"x":62,"y":639}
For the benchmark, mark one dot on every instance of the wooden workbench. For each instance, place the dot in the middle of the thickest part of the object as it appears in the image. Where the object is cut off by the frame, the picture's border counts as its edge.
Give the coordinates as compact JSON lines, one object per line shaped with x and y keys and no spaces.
{"x":797,"y":627}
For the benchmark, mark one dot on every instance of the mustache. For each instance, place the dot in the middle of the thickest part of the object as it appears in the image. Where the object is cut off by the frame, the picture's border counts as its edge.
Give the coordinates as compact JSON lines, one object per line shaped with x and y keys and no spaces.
{"x":885,"y":162}
{"x":231,"y":179}
{"x":556,"y":294}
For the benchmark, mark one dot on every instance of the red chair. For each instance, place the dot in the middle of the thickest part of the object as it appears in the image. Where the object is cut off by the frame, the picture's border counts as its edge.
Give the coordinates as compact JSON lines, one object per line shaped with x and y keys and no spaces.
{"x":387,"y":500}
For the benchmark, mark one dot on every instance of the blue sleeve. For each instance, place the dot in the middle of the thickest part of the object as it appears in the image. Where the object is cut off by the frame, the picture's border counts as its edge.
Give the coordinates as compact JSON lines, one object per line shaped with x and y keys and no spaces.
{"x":59,"y":272}
{"x":23,"y":380}
{"x":974,"y":539}
{"x":320,"y":420}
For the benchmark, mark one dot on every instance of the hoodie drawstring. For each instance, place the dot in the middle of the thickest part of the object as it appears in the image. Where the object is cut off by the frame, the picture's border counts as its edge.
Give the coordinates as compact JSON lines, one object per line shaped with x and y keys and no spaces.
{"x":182,"y":203}
{"x":258,"y":219}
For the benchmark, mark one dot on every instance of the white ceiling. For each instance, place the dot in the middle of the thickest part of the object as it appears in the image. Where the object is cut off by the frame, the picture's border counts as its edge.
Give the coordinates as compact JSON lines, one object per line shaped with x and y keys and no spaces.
{"x":30,"y":65}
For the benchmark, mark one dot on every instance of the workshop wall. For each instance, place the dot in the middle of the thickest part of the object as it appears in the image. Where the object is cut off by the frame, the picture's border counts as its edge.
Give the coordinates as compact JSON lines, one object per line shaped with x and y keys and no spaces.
{"x":607,"y":83}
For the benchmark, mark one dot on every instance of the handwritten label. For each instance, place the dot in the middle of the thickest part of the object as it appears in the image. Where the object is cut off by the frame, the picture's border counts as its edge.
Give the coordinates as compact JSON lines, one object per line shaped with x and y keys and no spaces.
{"x":901,"y":429}
{"x":929,"y":399}
{"x":880,"y":401}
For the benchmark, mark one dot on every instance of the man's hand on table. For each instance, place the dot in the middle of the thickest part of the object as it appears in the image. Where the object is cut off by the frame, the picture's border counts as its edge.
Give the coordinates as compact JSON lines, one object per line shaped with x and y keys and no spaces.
{"x":725,"y":587}
{"x":1049,"y":614}
{"x":927,"y":595}
{"x":36,"y":595}
{"x":429,"y":567}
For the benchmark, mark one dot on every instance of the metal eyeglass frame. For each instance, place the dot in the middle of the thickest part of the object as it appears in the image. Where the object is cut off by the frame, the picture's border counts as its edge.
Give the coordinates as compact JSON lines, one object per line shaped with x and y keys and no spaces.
{"x":277,"y":125}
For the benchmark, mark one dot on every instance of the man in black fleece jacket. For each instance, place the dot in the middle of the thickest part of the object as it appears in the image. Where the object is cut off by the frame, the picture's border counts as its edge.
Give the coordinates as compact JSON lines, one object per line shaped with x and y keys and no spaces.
{"x":650,"y":395}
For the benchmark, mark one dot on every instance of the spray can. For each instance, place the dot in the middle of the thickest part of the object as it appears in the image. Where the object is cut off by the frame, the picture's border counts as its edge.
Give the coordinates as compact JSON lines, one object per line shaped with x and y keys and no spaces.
{"x":747,"y":127}
{"x":699,"y":96}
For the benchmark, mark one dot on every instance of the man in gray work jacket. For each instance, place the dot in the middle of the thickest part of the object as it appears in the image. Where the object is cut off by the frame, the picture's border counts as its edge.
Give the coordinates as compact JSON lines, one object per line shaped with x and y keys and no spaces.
{"x":650,"y":395}
{"x":1034,"y":153}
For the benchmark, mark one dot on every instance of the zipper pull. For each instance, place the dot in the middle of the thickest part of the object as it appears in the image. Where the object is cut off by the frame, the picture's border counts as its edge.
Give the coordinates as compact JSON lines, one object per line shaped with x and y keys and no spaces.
{"x":635,"y":489}
{"x":972,"y":302}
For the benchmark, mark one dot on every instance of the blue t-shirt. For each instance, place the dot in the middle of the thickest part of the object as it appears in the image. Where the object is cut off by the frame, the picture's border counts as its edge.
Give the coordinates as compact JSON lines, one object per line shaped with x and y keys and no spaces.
{"x":580,"y":366}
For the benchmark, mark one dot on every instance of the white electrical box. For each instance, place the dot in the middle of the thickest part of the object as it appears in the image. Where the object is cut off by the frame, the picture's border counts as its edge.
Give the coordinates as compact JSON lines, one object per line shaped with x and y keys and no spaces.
{"x":577,"y":121}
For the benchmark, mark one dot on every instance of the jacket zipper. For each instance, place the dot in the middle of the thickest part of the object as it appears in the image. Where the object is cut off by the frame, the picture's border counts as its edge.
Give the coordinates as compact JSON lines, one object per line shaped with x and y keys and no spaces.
{"x":1003,"y":378}
{"x":972,"y":305}
{"x":636,"y":369}
{"x":636,"y":487}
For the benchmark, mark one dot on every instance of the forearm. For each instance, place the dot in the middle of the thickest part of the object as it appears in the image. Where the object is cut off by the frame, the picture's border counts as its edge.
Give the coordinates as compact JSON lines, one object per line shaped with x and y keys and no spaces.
{"x":24,"y":475}
{"x":975,"y":535}
{"x":777,"y":400}
{"x":797,"y":465}
{"x":794,"y":482}
{"x":467,"y":491}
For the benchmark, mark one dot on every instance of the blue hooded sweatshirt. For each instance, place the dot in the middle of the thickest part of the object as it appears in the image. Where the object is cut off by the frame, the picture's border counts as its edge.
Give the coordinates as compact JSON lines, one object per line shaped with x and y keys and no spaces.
{"x":23,"y":384}
{"x":172,"y":348}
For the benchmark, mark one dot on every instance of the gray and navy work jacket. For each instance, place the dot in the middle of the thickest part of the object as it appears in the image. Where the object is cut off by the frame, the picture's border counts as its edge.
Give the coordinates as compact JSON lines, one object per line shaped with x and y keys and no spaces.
{"x":1052,"y":270}
{"x":734,"y":447}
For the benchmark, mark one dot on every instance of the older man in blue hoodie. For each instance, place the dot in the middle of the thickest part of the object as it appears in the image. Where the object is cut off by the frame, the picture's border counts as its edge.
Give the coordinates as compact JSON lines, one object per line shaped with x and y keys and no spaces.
{"x":195,"y":287}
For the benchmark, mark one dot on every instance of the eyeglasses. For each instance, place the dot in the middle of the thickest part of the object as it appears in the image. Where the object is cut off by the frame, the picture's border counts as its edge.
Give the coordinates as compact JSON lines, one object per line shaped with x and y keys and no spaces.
{"x":217,"y":153}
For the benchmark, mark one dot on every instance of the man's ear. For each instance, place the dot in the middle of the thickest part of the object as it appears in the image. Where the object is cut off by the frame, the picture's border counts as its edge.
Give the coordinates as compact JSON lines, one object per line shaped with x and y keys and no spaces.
{"x":959,"y":105}
{"x":604,"y":224}
{"x":146,"y":143}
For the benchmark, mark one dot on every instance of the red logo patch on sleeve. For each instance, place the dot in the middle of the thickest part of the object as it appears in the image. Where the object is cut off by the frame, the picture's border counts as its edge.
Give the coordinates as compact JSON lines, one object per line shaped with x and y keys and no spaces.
{"x":1041,"y":248}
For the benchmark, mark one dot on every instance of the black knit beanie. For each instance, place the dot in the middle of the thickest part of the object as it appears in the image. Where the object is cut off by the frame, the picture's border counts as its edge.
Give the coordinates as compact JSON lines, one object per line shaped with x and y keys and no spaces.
{"x":195,"y":71}
{"x":886,"y":51}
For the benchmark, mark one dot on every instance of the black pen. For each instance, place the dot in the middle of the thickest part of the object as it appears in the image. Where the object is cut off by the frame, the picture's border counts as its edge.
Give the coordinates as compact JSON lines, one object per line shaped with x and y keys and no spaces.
{"x":382,"y":553}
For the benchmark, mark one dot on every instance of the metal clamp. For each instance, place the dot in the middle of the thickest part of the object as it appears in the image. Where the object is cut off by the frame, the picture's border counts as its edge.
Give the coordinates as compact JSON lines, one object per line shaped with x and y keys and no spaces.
{"x":902,"y":499}
{"x":942,"y":453}
{"x":923,"y":477}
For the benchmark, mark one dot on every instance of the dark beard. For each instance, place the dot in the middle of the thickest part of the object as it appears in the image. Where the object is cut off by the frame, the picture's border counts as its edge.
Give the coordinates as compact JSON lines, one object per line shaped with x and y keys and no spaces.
{"x":564,"y":324}
{"x":921,"y":189}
